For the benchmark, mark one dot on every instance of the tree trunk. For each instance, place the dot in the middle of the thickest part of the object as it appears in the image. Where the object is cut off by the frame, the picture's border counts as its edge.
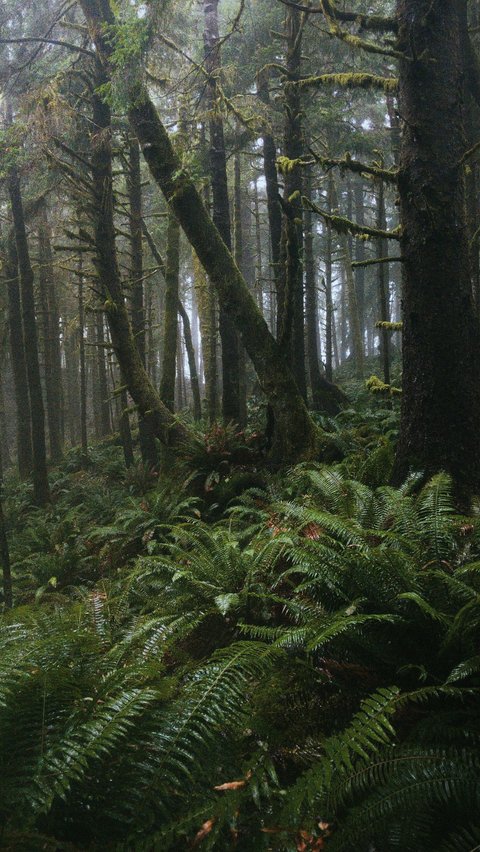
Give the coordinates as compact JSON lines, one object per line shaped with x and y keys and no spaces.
{"x":356,"y":335}
{"x":125,"y":431}
{"x":221,"y":210}
{"x":41,"y":491}
{"x":291,"y":316}
{"x":5,"y":553}
{"x":102,"y":378}
{"x":165,"y":427}
{"x":360,"y":253}
{"x":273,"y":193}
{"x":326,"y":397}
{"x":383,"y":285}
{"x":441,"y":342}
{"x":19,"y":367}
{"x":83,"y":365}
{"x":170,"y":324}
{"x":240,"y":261}
{"x":192,"y":366}
{"x":148,"y":447}
{"x":208,"y":332}
{"x":51,"y":338}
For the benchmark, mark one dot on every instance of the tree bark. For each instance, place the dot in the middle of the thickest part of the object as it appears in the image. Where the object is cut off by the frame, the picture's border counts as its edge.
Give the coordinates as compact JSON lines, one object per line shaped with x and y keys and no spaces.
{"x":221,"y":211}
{"x":170,"y":324}
{"x":41,"y":491}
{"x":192,"y":365}
{"x":291,"y":320}
{"x":19,"y":367}
{"x":356,"y":335}
{"x":102,"y":378}
{"x":51,"y":338}
{"x":326,"y":397}
{"x":383,"y":285}
{"x":148,"y":447}
{"x":273,"y":192}
{"x":240,"y":261}
{"x":441,"y":340}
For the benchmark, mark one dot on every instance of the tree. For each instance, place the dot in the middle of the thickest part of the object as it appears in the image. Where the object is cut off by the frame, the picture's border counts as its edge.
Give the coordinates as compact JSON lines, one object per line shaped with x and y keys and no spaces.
{"x":441,"y":343}
{"x":295,"y":434}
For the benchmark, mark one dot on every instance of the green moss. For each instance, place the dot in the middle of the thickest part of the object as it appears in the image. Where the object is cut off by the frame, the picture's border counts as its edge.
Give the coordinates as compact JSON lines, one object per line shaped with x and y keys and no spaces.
{"x":376,"y":386}
{"x":357,"y":80}
{"x":390,"y":326}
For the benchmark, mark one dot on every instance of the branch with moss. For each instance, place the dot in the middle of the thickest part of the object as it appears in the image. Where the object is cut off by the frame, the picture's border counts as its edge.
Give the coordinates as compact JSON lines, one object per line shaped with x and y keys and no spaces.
{"x":376,"y":23}
{"x":51,"y":41}
{"x":349,"y":80}
{"x":354,"y":40}
{"x":374,"y":261}
{"x":345,"y":226}
{"x":346,"y":162}
{"x":389,"y":326}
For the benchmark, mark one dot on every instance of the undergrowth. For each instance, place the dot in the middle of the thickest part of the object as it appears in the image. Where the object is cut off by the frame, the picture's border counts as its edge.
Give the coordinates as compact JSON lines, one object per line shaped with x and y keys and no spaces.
{"x":235,"y":659}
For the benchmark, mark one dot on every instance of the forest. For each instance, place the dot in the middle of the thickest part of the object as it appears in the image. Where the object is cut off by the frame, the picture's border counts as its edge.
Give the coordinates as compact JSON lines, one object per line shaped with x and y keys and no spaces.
{"x":240,"y":425}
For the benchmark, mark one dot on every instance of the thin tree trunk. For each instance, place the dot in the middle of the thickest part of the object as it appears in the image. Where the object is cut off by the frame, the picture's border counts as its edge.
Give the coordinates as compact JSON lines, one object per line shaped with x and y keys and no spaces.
{"x":240,"y":261}
{"x":221,"y":211}
{"x":349,"y":282}
{"x":5,"y":553}
{"x":192,"y":366}
{"x":83,"y":365}
{"x":125,"y":431}
{"x":148,"y":447}
{"x":51,"y":349}
{"x":41,"y":489}
{"x":326,"y":397}
{"x":291,"y":317}
{"x":102,"y":378}
{"x":383,"y":286}
{"x":170,"y":324}
{"x":19,"y":367}
{"x":360,"y":253}
{"x":273,"y":193}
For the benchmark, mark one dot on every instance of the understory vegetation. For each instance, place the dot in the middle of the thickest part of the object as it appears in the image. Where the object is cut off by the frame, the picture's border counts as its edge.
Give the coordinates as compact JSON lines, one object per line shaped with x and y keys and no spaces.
{"x":236,"y":658}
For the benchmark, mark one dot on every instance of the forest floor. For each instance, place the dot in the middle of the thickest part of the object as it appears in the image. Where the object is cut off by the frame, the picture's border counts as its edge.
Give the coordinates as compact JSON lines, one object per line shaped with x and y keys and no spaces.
{"x":236,"y":658}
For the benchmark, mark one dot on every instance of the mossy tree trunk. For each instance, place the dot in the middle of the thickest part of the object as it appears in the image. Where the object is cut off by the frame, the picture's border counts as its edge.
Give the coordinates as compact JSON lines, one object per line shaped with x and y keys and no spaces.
{"x":441,"y":338}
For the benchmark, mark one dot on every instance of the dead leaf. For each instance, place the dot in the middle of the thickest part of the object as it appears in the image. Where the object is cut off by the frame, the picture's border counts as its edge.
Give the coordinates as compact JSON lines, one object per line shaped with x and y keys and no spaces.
{"x":203,"y":832}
